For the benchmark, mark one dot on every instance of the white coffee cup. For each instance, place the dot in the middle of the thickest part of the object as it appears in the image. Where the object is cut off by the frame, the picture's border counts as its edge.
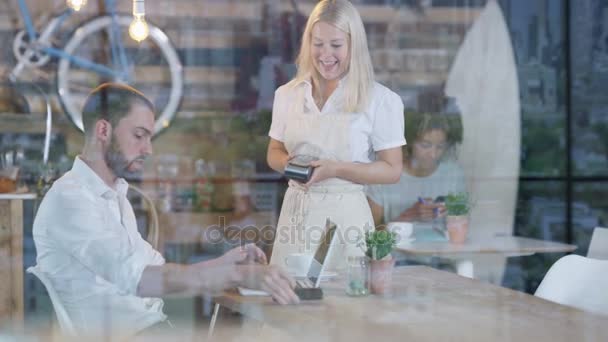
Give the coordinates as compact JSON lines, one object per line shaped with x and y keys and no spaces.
{"x":298,"y":263}
{"x":403,"y":230}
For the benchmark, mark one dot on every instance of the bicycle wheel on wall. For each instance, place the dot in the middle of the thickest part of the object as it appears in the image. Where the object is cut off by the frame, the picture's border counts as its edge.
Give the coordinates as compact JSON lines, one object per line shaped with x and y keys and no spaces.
{"x":152,"y":67}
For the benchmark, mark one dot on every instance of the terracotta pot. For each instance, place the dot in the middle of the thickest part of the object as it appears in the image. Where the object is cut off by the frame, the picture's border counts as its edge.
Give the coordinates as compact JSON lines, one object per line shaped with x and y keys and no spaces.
{"x":381,"y":276}
{"x":458,"y":227}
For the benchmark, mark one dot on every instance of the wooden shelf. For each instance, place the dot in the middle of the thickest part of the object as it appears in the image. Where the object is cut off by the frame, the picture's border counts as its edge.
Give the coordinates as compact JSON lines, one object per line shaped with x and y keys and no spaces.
{"x":26,"y":196}
{"x":22,"y":123}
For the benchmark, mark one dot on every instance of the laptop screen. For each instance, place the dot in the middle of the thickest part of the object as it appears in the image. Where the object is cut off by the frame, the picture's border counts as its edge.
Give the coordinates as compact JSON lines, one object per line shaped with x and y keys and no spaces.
{"x":316,"y":266}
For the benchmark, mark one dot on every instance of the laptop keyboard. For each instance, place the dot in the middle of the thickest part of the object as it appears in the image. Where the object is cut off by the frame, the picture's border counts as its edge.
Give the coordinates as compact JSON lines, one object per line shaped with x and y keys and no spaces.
{"x":304,"y":283}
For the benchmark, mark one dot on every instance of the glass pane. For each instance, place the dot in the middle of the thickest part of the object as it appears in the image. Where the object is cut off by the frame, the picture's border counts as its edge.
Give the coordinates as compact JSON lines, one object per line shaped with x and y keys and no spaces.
{"x":536,"y":29}
{"x":589,"y":210}
{"x":541,"y":211}
{"x":209,"y":184}
{"x":541,"y":214}
{"x":589,"y":50}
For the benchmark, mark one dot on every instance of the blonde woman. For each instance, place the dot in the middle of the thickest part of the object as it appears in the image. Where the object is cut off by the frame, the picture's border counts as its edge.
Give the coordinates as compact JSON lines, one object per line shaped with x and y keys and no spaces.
{"x":335,"y":113}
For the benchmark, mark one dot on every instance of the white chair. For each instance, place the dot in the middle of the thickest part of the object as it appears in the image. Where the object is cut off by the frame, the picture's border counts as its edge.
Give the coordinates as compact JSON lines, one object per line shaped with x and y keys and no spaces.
{"x":577,"y":281}
{"x":65,"y":323}
{"x":598,"y":247}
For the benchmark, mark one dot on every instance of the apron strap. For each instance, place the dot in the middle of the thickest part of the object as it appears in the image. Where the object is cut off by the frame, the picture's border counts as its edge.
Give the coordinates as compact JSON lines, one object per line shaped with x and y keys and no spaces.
{"x":299,"y":209}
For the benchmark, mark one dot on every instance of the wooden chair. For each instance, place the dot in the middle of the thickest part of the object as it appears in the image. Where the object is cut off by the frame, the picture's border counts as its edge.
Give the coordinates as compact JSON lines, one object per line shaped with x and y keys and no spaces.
{"x":153,"y":230}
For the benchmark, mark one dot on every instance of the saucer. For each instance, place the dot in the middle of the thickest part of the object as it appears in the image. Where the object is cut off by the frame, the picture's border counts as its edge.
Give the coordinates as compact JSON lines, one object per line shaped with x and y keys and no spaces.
{"x":327,"y":275}
{"x":243,"y":291}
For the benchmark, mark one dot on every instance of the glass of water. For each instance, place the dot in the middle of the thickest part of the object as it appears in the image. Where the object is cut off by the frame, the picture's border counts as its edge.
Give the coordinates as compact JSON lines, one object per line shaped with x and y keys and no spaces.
{"x":357,"y":276}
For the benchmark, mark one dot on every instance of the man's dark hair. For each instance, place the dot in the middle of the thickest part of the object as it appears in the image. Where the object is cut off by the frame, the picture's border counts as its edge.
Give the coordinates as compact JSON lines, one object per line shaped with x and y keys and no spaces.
{"x":111,"y":102}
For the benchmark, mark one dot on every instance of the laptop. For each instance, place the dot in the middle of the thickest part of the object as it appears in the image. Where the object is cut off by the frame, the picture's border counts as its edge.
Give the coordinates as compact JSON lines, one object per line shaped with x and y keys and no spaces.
{"x":307,"y":288}
{"x":318,"y":262}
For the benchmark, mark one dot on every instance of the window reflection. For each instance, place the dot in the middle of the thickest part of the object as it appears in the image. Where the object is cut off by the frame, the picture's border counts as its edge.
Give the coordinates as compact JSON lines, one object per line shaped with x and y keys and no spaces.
{"x":235,"y":54}
{"x":590,"y":210}
{"x":541,"y":212}
{"x":589,"y":63}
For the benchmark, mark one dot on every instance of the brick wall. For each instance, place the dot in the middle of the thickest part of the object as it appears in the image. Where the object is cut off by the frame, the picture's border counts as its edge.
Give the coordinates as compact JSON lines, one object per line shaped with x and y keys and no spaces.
{"x":221,"y":43}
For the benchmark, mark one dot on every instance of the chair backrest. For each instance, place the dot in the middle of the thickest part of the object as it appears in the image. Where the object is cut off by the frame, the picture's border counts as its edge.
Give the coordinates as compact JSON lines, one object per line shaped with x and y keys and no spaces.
{"x":598,"y":247}
{"x":152,"y":219}
{"x":65,"y":323}
{"x":577,"y":281}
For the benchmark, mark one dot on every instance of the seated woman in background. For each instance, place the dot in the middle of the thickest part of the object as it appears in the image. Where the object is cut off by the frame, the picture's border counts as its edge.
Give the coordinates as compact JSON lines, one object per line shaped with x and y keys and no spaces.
{"x":429,"y":171}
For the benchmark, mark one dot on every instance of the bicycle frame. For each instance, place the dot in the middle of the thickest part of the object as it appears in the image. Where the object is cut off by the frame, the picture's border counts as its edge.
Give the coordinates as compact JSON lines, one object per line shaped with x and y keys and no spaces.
{"x":116,"y":43}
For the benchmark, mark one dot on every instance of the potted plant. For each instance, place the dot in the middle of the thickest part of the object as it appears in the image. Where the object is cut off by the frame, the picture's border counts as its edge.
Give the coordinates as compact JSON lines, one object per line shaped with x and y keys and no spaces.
{"x":457,"y":220}
{"x":380,"y":244}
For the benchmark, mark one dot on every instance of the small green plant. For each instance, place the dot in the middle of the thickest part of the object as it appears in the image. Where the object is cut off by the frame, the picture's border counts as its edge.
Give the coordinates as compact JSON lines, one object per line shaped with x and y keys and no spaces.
{"x":379,"y":243}
{"x":457,"y":203}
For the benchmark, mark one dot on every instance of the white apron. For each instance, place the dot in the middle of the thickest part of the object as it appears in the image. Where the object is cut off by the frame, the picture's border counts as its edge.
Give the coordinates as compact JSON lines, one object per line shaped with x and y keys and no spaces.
{"x":304,"y":211}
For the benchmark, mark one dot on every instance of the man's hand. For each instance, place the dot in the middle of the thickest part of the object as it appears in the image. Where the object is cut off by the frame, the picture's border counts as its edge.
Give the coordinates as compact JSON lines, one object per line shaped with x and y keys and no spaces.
{"x":271,"y":279}
{"x":246,"y":254}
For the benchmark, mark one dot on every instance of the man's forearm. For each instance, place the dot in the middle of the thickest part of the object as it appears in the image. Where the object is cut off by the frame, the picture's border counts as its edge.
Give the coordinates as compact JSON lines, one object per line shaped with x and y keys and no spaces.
{"x":157,"y":281}
{"x":205,"y":277}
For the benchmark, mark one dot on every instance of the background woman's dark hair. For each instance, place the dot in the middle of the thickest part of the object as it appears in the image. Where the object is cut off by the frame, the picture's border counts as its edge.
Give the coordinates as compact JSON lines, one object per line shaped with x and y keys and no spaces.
{"x":434,"y":111}
{"x":111,"y":102}
{"x":419,"y":123}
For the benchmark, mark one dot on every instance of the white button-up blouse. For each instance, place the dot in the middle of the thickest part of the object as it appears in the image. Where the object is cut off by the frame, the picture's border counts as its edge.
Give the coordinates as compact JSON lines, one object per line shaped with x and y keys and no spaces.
{"x":379,"y":128}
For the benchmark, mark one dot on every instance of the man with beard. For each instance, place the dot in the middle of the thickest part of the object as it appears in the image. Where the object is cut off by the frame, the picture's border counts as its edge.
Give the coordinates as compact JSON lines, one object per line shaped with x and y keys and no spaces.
{"x":105,"y":274}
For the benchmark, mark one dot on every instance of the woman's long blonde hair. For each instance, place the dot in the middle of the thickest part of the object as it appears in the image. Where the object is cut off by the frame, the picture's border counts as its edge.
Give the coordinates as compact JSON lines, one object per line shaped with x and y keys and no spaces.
{"x":343,"y":15}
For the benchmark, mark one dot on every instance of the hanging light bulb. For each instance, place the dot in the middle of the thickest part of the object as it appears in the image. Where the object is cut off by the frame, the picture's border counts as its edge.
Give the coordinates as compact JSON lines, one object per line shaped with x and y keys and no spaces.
{"x":76,"y":5}
{"x":138,"y":30}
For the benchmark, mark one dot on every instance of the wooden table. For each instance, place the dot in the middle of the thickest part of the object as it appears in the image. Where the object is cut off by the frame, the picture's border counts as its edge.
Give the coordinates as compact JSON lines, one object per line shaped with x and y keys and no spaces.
{"x":11,"y":259}
{"x":425,"y":305}
{"x":503,"y":245}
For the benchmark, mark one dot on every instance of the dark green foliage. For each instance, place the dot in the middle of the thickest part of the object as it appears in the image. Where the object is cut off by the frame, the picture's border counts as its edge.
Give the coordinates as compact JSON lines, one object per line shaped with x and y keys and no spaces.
{"x":379,"y":243}
{"x":457,"y":204}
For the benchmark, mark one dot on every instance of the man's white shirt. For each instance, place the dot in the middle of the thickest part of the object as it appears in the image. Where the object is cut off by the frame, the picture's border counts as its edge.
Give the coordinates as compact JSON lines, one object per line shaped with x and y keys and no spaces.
{"x":88,"y":245}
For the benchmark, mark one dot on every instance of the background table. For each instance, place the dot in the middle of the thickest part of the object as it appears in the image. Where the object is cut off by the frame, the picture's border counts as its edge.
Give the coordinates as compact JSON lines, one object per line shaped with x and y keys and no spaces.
{"x":465,"y":253}
{"x":425,"y":305}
